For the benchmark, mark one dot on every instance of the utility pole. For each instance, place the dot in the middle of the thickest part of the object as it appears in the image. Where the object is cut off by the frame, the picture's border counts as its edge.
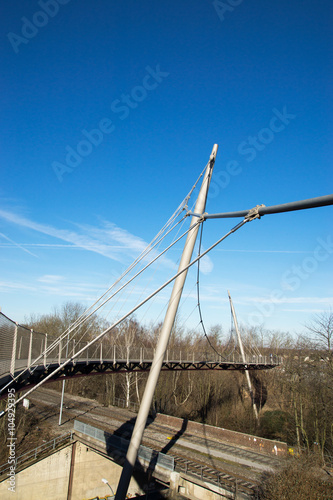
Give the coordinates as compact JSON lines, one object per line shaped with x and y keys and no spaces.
{"x":243,"y":356}
{"x":164,"y":336}
{"x":63,"y":385}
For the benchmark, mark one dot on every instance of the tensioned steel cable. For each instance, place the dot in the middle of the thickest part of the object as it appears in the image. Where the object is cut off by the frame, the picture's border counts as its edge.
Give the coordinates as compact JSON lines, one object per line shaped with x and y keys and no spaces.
{"x":90,"y":311}
{"x":145,"y":252}
{"x":182,"y":221}
{"x":198,"y":296}
{"x":185,"y":206}
{"x":298,"y":205}
{"x":96,"y":339}
{"x":64,"y":335}
{"x":85,"y":316}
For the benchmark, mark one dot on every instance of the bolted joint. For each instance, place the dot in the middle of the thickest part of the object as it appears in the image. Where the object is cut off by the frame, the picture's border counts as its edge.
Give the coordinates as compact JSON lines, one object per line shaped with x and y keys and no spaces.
{"x":253,"y":213}
{"x":212,"y":157}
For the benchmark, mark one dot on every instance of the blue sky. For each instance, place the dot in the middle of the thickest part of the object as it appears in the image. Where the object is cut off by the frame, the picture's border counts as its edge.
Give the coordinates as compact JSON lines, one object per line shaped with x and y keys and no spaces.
{"x":109,"y":113}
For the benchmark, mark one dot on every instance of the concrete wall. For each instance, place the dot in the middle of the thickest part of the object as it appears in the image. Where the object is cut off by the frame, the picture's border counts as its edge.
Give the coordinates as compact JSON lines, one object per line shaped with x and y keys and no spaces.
{"x":45,"y":479}
{"x":258,"y":444}
{"x":194,"y":489}
{"x":50,"y":477}
{"x":89,"y":469}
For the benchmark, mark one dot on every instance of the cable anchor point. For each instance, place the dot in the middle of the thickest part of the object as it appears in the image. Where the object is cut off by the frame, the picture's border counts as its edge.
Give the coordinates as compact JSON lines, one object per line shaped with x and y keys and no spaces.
{"x":253,"y":213}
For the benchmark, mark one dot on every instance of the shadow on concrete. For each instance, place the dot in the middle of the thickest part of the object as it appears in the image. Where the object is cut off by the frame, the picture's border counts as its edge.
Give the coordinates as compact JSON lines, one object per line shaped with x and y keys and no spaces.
{"x":117,"y":445}
{"x":175,"y":438}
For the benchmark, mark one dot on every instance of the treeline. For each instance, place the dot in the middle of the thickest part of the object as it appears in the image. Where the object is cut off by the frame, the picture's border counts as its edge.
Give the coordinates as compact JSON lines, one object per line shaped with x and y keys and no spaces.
{"x":295,"y":400}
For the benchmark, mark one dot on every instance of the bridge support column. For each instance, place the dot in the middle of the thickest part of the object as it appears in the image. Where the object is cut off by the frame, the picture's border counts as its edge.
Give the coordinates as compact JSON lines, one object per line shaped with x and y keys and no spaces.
{"x":174,"y":485}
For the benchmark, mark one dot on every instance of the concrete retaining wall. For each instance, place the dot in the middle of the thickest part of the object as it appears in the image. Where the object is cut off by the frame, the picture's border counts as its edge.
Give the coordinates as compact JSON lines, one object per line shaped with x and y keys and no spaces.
{"x":50,"y":477}
{"x":255,"y":443}
{"x":45,"y":479}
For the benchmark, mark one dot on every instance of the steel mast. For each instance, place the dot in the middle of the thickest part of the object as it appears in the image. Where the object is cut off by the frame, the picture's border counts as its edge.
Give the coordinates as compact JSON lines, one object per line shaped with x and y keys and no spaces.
{"x":164,"y":336}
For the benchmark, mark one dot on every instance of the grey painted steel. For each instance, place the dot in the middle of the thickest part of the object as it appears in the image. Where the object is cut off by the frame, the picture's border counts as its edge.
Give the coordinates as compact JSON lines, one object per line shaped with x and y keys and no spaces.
{"x":140,"y":357}
{"x":62,"y":401}
{"x":164,"y":336}
{"x":144,"y":454}
{"x":102,"y":334}
{"x":243,"y":354}
{"x":75,"y":356}
{"x":64,"y":382}
{"x":320,"y":201}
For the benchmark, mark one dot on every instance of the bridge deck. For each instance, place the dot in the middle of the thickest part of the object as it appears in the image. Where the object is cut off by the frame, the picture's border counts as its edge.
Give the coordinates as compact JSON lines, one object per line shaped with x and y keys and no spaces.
{"x":37,"y":372}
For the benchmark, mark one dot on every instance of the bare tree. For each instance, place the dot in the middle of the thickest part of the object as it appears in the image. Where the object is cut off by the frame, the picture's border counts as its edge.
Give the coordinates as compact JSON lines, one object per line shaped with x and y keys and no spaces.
{"x":129,"y":335}
{"x":62,"y":317}
{"x":321,"y":327}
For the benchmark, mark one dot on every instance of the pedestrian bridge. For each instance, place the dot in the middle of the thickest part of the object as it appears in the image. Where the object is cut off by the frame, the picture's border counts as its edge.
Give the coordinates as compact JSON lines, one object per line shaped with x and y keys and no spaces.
{"x":28,"y":357}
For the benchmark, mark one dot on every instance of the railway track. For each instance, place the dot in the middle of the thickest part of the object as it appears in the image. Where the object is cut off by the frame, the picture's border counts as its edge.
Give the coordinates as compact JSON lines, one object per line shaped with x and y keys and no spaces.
{"x":226,"y":474}
{"x":204,"y":473}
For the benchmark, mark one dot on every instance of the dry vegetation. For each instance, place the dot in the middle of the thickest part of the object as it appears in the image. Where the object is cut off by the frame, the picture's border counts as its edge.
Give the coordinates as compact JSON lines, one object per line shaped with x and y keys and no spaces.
{"x":303,"y":479}
{"x":30,"y":432}
{"x":295,"y":400}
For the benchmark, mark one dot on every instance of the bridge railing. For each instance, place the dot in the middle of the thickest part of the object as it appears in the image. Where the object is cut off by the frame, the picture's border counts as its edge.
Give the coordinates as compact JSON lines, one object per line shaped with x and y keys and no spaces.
{"x":22,"y":348}
{"x":18,"y":343}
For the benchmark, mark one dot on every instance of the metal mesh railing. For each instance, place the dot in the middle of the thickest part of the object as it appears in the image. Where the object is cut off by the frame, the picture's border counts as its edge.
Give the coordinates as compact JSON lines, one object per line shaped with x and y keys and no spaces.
{"x":145,"y":454}
{"x":7,"y":331}
{"x":35,"y":453}
{"x":22,"y":348}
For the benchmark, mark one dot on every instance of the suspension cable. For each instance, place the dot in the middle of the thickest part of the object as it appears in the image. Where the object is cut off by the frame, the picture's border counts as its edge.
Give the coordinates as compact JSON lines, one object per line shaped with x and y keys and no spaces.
{"x":116,"y":323}
{"x":198,"y":296}
{"x":76,"y":325}
{"x":84,"y":316}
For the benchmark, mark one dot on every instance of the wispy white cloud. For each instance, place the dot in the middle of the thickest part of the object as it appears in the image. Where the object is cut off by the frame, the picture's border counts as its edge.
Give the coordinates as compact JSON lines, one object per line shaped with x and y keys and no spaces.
{"x":246,"y":250}
{"x":206,"y":265}
{"x":17,"y":245}
{"x":307,"y":310}
{"x":289,"y":300}
{"x":54,"y":286}
{"x":110,"y":232}
{"x":41,"y":245}
{"x":8,"y":287}
{"x":79,"y":240}
{"x":109,"y":240}
{"x":51,"y":278}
